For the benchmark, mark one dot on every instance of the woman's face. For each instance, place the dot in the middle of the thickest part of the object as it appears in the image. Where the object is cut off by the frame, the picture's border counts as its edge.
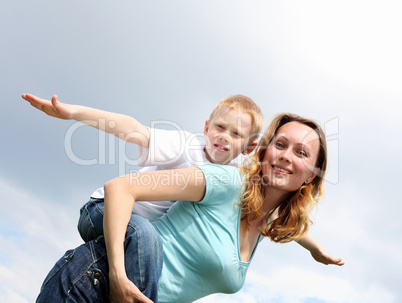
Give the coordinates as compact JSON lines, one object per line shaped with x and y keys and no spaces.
{"x":290,"y":158}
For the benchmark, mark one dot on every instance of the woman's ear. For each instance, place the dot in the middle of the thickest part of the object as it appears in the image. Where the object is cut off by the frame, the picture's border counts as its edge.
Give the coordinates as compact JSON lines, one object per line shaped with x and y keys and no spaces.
{"x":310,"y":179}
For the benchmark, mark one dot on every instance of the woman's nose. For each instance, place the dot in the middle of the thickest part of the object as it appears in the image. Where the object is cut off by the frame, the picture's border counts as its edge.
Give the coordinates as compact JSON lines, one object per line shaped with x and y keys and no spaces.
{"x":284,"y":156}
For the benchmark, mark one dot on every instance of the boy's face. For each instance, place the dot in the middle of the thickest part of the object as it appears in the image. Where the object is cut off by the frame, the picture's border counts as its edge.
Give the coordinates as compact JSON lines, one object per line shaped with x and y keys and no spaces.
{"x":227,"y":135}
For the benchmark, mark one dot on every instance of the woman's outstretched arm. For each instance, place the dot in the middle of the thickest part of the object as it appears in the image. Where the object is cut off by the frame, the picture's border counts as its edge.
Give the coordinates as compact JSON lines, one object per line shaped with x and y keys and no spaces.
{"x":317,"y":252}
{"x":120,"y":194}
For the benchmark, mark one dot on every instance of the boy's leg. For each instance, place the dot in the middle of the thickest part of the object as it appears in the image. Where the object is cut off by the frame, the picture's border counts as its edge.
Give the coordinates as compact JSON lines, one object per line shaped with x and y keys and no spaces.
{"x":143,"y":267}
{"x":145,"y":260}
{"x":81,"y":275}
{"x":90,"y":223}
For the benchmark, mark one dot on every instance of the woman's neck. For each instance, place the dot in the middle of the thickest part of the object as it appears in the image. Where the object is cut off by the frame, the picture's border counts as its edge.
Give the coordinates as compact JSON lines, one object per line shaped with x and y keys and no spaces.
{"x":273,"y":198}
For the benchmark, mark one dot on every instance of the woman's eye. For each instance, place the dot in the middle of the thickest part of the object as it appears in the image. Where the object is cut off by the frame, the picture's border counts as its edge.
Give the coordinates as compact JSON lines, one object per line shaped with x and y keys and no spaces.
{"x":236,"y":134}
{"x":279,"y":144}
{"x":302,"y":153}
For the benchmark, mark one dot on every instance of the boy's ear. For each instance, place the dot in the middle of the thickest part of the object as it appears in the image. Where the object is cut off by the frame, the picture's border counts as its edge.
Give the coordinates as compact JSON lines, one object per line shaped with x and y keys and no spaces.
{"x":250,"y":147}
{"x":206,"y":128}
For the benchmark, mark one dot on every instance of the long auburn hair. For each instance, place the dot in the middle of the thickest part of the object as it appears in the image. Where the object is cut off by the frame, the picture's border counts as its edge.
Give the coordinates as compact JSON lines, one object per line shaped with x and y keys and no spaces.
{"x":293,"y":213}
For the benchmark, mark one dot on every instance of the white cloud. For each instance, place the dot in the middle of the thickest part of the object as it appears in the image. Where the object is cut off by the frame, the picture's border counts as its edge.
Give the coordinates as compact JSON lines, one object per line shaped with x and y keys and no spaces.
{"x":294,"y":285}
{"x":12,"y":296}
{"x":34,"y":234}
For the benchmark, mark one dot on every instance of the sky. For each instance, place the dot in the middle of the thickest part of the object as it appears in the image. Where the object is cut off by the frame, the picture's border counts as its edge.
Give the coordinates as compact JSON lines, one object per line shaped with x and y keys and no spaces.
{"x":337,"y":62}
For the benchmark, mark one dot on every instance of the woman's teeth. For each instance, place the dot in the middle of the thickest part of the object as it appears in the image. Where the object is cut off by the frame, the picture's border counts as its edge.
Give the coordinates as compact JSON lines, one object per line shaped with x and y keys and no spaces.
{"x":281,"y":170}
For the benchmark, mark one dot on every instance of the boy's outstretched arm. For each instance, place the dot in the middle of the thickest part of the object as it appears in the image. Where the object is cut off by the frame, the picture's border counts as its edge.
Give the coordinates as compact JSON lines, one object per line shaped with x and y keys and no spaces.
{"x":122,"y":126}
{"x":318,"y":253}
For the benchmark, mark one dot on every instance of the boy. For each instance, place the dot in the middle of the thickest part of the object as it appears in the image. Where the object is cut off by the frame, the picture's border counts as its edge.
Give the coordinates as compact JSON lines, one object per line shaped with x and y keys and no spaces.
{"x":232,"y":129}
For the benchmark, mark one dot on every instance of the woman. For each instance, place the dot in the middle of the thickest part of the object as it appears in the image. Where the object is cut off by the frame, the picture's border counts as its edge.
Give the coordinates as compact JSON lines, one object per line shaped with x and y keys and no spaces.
{"x":207,"y":245}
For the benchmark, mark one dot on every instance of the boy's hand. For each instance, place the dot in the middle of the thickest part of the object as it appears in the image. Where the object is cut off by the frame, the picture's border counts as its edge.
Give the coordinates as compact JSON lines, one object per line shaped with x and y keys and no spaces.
{"x":326,"y":258}
{"x":125,"y":291}
{"x":52,"y":108}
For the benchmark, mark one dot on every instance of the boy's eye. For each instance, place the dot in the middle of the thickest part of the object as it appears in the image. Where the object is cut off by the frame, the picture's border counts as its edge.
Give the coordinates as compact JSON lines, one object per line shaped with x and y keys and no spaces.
{"x":220,"y":126}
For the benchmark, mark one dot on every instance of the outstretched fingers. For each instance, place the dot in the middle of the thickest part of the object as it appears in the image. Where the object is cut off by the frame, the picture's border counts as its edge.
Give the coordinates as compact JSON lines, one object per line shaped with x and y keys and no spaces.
{"x":339,"y":262}
{"x":326,"y":258}
{"x":35,"y":101}
{"x":55,"y":102}
{"x":53,"y":108}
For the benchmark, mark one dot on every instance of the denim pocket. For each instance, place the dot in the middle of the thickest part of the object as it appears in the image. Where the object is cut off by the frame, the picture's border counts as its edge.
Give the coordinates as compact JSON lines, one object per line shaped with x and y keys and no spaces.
{"x":90,"y":223}
{"x":85,"y":226}
{"x":95,"y":284}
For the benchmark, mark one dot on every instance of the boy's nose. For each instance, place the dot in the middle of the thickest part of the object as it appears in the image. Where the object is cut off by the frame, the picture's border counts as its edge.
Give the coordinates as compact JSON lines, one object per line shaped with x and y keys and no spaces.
{"x":223,"y":137}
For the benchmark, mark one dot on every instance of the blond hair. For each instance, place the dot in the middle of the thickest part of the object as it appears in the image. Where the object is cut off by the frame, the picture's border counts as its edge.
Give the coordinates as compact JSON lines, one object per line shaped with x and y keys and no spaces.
{"x":246,"y":105}
{"x":293,"y":213}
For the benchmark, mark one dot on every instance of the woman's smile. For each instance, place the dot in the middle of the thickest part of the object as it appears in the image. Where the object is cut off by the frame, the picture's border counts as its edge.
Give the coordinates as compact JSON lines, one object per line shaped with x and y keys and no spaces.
{"x":281,"y":170}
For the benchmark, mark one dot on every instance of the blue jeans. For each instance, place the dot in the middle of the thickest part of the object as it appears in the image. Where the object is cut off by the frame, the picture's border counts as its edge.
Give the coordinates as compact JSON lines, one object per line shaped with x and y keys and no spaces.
{"x":90,"y":223}
{"x":81,"y":275}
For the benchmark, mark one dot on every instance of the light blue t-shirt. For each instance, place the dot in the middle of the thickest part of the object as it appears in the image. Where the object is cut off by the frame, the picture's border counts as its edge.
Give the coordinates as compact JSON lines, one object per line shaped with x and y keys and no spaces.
{"x":201,"y":241}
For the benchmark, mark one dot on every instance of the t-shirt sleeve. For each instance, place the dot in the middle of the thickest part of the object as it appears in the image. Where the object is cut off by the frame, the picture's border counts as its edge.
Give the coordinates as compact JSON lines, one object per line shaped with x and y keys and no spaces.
{"x":222,"y":182}
{"x":165,"y":147}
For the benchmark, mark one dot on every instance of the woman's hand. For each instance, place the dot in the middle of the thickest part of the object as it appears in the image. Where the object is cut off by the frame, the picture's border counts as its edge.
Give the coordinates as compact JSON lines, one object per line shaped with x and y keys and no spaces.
{"x":122,"y":290}
{"x":322,"y":256}
{"x":319,"y":254}
{"x":52,"y":108}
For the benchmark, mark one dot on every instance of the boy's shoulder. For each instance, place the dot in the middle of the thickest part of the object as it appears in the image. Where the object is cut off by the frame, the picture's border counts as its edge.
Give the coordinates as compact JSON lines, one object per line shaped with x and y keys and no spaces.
{"x":172,"y":149}
{"x":175,"y":134}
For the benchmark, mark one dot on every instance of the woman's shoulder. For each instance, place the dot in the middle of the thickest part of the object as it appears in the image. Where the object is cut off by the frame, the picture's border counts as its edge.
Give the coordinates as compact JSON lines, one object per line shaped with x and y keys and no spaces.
{"x":222,"y":181}
{"x":213,"y":166}
{"x":222,"y":172}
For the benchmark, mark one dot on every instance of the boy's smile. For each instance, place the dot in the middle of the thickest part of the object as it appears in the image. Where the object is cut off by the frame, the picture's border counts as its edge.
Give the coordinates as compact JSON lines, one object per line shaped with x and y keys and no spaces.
{"x":221,"y":148}
{"x":227,"y":135}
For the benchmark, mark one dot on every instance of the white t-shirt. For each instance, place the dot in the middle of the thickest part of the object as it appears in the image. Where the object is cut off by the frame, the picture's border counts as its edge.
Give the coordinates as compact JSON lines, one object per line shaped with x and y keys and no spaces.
{"x":168,"y":149}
